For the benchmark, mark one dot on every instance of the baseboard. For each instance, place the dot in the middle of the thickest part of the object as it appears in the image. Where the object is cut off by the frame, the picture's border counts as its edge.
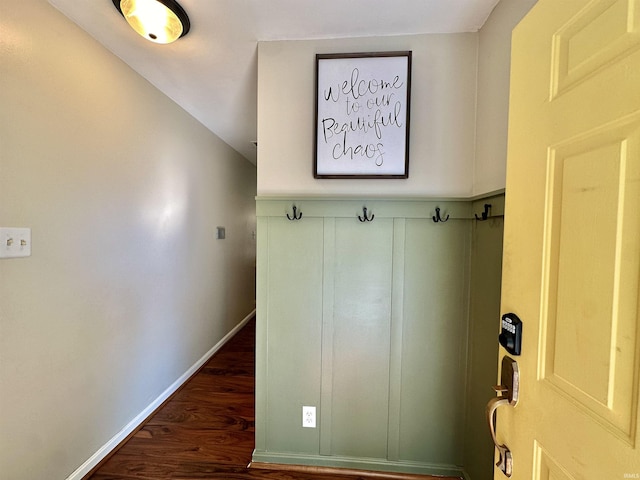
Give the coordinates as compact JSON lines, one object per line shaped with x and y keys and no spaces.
{"x":131,"y":427}
{"x":334,"y":471}
{"x":263,"y":459}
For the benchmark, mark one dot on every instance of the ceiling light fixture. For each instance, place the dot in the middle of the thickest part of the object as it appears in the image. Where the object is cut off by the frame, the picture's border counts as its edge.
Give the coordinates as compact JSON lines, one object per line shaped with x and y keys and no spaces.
{"x":160,"y":21}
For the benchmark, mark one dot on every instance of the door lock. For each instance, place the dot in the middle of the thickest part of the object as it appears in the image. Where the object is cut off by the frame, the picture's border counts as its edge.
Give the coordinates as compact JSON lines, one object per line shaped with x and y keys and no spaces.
{"x":508,"y":392}
{"x":511,"y":334}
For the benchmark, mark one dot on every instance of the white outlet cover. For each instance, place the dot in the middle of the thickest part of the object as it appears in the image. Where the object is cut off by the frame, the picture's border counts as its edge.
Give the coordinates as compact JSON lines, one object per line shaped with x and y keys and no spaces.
{"x":309,"y":417}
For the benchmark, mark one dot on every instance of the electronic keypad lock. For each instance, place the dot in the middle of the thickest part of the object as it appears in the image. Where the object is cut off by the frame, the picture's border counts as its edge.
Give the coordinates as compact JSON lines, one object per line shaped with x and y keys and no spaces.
{"x":511,"y":333}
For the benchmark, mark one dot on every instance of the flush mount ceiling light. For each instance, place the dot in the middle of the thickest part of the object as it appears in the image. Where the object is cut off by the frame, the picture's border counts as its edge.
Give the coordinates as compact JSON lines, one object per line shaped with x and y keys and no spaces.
{"x":160,"y":21}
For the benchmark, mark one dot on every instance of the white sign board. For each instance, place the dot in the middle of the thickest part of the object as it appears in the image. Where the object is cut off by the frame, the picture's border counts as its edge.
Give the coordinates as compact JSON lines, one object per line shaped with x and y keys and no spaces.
{"x":362,"y":115}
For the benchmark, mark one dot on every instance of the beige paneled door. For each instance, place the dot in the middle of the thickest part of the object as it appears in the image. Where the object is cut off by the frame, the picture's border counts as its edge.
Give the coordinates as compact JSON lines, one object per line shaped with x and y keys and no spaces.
{"x":572,"y":241}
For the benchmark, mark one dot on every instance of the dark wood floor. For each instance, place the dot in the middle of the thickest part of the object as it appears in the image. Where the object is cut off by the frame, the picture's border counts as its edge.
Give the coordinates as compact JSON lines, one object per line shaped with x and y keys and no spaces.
{"x":206,"y":431}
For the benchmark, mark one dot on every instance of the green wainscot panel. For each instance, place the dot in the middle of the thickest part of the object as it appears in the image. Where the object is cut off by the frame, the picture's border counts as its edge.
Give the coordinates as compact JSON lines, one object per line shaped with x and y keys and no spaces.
{"x":484,"y":327}
{"x":370,"y":323}
{"x":434,"y":345}
{"x":294,"y":331}
{"x":360,"y":344}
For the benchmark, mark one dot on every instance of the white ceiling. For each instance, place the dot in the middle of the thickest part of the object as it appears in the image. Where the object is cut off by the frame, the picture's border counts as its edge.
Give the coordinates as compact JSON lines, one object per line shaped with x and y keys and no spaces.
{"x":212,"y":72}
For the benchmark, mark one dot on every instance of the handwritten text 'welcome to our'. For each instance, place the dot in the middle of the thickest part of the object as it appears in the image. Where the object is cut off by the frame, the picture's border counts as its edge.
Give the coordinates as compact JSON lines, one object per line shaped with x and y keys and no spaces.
{"x":366,"y":108}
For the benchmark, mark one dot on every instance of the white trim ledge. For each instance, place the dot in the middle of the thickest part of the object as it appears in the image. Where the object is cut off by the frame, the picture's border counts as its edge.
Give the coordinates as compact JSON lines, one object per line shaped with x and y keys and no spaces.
{"x":409,"y":198}
{"x":139,"y":419}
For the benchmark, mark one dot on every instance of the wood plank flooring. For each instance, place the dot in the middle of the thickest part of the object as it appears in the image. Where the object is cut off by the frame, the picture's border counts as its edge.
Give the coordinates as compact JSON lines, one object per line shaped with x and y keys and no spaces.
{"x":206,"y":431}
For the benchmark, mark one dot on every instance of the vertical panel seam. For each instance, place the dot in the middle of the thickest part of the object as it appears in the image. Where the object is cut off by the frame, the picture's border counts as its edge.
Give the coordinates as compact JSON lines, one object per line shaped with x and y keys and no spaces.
{"x":326,"y":349}
{"x":396,"y":337}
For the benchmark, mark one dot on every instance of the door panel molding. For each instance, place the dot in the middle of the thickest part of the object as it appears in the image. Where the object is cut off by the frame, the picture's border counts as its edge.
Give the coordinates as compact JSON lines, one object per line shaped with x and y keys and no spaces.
{"x":546,"y":467}
{"x":592,"y":200}
{"x":587,"y":42}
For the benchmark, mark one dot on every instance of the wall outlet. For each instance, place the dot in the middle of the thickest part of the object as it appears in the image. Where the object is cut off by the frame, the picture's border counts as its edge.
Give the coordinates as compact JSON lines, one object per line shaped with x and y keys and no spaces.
{"x":309,"y":417}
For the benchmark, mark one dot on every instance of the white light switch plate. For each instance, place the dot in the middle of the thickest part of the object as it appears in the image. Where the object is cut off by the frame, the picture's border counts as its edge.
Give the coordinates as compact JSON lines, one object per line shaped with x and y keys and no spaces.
{"x":15,"y":242}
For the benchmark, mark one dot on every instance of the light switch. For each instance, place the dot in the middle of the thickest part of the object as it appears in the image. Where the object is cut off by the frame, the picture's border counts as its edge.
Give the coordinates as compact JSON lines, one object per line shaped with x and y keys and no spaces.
{"x":15,"y":242}
{"x":220,"y":233}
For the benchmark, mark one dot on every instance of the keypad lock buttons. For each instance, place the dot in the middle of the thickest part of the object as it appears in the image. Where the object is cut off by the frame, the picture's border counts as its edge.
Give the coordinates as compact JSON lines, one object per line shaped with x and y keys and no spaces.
{"x":511,"y":333}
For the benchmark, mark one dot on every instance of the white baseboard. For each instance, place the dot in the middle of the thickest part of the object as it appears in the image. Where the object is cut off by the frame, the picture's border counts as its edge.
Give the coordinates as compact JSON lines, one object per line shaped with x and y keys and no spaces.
{"x":103,"y":451}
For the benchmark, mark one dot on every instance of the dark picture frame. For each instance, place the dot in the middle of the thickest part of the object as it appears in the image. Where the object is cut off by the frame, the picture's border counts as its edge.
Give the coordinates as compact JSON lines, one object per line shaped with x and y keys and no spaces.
{"x":362,"y":111}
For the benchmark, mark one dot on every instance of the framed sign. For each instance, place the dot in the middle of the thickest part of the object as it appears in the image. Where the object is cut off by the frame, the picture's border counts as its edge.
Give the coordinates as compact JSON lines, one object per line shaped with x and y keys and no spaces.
{"x":362,"y":115}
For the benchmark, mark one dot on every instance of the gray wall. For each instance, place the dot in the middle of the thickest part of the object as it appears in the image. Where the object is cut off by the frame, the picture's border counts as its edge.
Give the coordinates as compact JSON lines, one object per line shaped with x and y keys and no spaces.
{"x":443,"y":105}
{"x":492,"y":110}
{"x":126,"y":287}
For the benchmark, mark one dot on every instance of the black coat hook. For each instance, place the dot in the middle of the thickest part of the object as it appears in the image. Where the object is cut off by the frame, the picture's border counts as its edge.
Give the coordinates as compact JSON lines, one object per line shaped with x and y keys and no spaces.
{"x":364,"y":217}
{"x":437,"y":218}
{"x":295,"y":214}
{"x":485,"y":213}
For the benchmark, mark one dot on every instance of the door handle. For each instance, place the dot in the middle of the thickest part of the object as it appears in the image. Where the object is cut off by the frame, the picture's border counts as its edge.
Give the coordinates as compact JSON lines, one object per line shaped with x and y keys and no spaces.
{"x":505,"y":463}
{"x":508,"y":392}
